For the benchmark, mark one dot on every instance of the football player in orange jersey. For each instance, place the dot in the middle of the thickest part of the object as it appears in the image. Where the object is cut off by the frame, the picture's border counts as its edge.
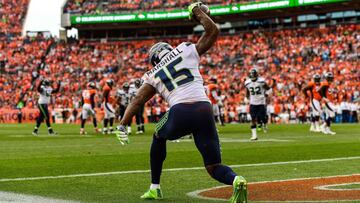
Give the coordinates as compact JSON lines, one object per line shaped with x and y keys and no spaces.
{"x":315,"y":98}
{"x":327,"y":96}
{"x":215,"y":100}
{"x":108,"y":107}
{"x":88,"y":102}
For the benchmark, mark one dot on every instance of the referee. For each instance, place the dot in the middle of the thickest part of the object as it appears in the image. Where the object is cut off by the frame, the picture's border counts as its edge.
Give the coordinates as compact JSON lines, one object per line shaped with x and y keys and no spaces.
{"x":45,"y":90}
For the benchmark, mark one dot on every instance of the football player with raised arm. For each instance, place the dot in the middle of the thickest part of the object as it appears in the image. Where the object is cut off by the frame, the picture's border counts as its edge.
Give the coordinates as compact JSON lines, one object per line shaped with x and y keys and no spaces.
{"x":45,"y":91}
{"x":176,"y":76}
{"x":88,"y":108}
{"x":257,"y":91}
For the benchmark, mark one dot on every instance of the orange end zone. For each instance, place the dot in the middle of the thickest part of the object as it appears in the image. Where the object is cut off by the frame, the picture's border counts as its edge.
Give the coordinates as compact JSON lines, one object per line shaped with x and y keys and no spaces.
{"x":293,"y":190}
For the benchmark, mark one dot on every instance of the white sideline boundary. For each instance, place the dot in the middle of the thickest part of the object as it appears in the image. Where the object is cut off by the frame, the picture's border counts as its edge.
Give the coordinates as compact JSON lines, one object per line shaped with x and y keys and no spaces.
{"x":175,"y":169}
{"x":10,"y":197}
{"x":195,"y":194}
{"x":329,"y":187}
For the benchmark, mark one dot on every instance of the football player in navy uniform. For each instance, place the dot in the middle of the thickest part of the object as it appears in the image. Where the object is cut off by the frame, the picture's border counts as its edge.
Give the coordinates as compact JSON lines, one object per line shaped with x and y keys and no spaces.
{"x":45,"y":91}
{"x":176,"y":77}
{"x":257,"y":92}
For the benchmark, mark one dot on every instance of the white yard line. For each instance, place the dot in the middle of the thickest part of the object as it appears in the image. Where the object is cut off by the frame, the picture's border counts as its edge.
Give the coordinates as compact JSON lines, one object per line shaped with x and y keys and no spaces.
{"x":175,"y":169}
{"x":330,"y":187}
{"x":7,"y":197}
{"x":195,"y":194}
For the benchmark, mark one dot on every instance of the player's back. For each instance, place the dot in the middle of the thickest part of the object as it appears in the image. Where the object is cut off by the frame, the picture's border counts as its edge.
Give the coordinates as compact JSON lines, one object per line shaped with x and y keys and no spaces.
{"x":177,"y":77}
{"x":315,"y":88}
{"x":87,"y":94}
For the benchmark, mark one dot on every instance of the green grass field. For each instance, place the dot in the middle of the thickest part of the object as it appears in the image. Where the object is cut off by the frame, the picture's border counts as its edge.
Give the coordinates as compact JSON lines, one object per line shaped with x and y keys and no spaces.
{"x":24,"y":156}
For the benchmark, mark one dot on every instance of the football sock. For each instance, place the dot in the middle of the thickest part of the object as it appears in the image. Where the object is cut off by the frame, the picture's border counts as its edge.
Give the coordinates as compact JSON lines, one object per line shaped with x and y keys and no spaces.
{"x":253,"y":130}
{"x":157,"y":157}
{"x":95,"y":122}
{"x":224,"y":174}
{"x":111,"y":122}
{"x":106,"y":121}
{"x":154,"y":186}
{"x":83,"y":123}
{"x":142,"y":127}
{"x":36,"y":129}
{"x":328,"y":122}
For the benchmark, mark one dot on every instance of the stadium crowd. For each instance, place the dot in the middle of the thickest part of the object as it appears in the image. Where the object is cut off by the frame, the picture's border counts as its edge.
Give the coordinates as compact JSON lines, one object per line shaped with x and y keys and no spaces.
{"x":12,"y":14}
{"x":120,"y":6}
{"x":286,"y":58}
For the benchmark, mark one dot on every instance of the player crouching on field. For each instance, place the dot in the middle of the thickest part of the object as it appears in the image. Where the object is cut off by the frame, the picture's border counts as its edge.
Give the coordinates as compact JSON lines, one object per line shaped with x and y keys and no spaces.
{"x":326,"y":92}
{"x":88,"y":101}
{"x":315,"y":98}
{"x":176,"y":76}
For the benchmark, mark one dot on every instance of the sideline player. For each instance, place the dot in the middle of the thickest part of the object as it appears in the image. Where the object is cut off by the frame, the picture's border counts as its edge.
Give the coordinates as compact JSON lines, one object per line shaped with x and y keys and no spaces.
{"x":139,"y":117}
{"x":176,"y":76}
{"x":45,"y":90}
{"x":257,"y":91}
{"x":326,"y":93}
{"x":108,"y":108}
{"x":88,"y":101}
{"x":215,"y":99}
{"x":315,"y":98}
{"x":124,"y":96}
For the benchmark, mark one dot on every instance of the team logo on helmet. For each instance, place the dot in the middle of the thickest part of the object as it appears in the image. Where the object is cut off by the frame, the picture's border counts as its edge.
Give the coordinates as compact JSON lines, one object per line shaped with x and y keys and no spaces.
{"x":159,"y":51}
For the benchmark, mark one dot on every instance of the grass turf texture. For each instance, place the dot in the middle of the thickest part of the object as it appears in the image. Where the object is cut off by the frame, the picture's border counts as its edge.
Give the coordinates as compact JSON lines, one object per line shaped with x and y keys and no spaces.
{"x":23,"y":155}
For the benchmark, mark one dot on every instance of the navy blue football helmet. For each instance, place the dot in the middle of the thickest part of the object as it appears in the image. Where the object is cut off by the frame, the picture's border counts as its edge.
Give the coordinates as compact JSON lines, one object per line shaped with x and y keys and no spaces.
{"x":158,"y":51}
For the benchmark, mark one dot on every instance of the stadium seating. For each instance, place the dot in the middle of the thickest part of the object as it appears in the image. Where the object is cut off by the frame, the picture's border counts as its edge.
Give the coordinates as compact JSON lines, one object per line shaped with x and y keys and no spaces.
{"x":12,"y":14}
{"x":120,"y":6}
{"x":289,"y":57}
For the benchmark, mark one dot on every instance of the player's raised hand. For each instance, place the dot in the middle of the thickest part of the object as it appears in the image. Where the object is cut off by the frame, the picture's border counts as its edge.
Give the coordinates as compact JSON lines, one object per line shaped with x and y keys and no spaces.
{"x":121,"y":135}
{"x":201,"y":6}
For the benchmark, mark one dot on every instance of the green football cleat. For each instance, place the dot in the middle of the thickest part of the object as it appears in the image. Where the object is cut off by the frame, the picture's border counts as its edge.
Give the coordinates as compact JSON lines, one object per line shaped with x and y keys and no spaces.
{"x":240,"y":190}
{"x":152,"y":194}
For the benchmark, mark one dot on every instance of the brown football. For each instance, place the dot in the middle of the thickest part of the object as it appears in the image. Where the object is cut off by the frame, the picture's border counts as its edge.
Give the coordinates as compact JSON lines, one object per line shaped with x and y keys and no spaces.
{"x":205,"y":9}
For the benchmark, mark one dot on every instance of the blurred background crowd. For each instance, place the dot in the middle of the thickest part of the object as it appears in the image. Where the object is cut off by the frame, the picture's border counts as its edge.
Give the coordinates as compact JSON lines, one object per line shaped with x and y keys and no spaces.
{"x":285,"y":58}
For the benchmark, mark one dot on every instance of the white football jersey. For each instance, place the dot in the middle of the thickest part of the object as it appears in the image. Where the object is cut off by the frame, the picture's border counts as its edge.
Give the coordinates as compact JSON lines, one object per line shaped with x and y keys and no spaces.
{"x":125,"y":96}
{"x":45,"y":95}
{"x":257,"y":91}
{"x":177,"y":77}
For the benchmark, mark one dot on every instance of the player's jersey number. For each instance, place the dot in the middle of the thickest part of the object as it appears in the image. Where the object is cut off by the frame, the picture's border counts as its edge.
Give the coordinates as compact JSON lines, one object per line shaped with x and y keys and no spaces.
{"x":169,"y":80}
{"x":255,"y":90}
